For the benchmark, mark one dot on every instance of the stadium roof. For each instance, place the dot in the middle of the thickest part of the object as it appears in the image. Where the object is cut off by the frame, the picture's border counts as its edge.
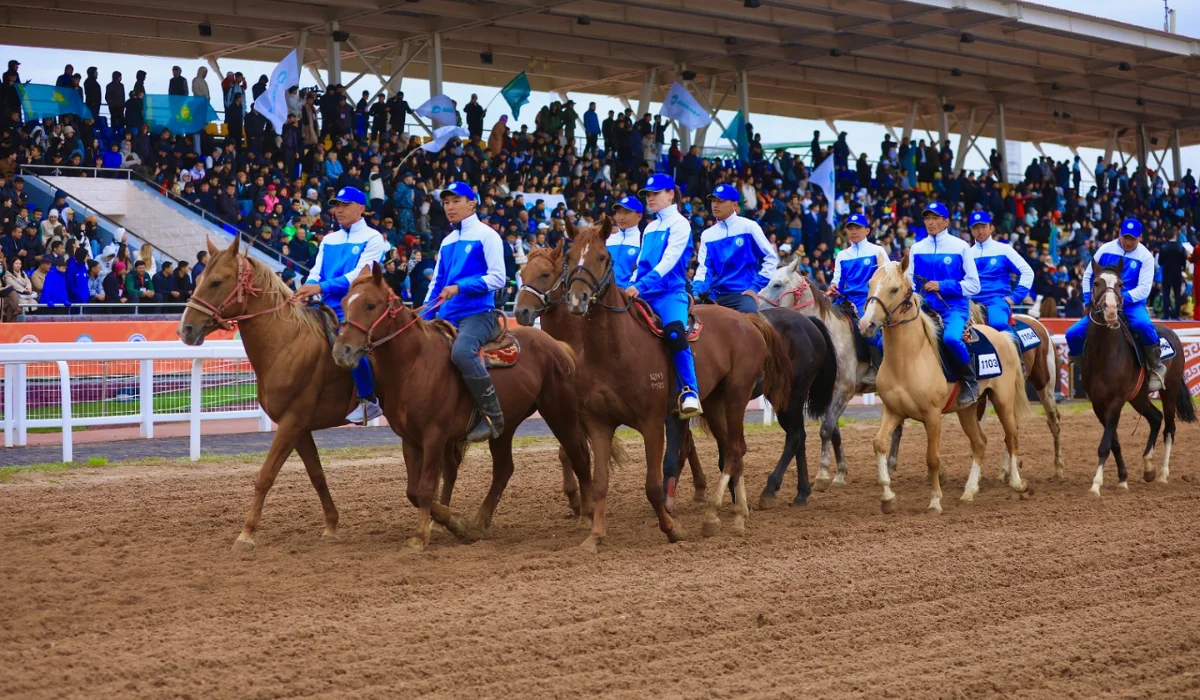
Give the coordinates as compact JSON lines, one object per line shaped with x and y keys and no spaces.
{"x":880,"y":61}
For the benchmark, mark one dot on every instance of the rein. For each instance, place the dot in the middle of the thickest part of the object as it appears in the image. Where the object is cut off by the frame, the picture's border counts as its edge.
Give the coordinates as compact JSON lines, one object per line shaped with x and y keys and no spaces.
{"x":1097,"y":314}
{"x":544,"y":297}
{"x":598,"y":286}
{"x":795,"y":292}
{"x":395,"y":305}
{"x":243,"y":291}
{"x":901,"y":306}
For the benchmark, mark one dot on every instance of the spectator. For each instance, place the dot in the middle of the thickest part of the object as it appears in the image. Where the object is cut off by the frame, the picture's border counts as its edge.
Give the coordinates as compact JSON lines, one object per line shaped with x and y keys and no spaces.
{"x":180,"y":285}
{"x":200,"y":83}
{"x":161,"y":279}
{"x":19,"y":282}
{"x":114,"y":284}
{"x":54,"y":286}
{"x":77,"y":276}
{"x":146,"y":255}
{"x":201,"y":263}
{"x":91,"y":91}
{"x":95,"y":283}
{"x":114,"y":97}
{"x":178,"y":83}
{"x":139,"y":286}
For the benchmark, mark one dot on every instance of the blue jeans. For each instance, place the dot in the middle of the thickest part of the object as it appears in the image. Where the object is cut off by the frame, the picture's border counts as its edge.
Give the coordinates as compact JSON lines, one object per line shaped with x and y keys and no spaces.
{"x":671,"y":307}
{"x":473,"y":332}
{"x":1139,"y":323}
{"x":738,"y":302}
{"x":954,"y":321}
{"x":860,"y":302}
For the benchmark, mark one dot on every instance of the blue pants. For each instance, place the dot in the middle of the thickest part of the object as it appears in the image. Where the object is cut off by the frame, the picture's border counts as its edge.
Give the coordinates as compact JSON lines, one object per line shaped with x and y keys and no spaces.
{"x":954,"y":322}
{"x":738,"y":302}
{"x":1139,"y":323}
{"x":364,"y":379}
{"x":860,"y":302}
{"x":671,"y":307}
{"x":998,"y":313}
{"x":473,"y":332}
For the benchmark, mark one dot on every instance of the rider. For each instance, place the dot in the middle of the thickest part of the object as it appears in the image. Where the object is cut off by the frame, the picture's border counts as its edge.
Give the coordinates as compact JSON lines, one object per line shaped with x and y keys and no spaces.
{"x":997,"y":262}
{"x":852,"y":271}
{"x":1137,"y":277}
{"x":623,"y":245}
{"x":943,"y":266}
{"x":342,"y":255}
{"x":734,"y":257}
{"x":661,"y":279}
{"x":469,"y":270}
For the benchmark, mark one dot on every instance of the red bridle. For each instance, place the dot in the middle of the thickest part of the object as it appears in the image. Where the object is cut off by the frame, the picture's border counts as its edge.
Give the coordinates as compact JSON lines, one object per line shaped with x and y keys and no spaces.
{"x":394,"y":306}
{"x":243,"y":290}
{"x":795,"y":292}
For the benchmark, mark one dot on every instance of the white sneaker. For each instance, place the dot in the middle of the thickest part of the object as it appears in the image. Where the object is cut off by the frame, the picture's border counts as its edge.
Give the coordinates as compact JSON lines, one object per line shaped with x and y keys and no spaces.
{"x":364,"y":411}
{"x":690,"y":406}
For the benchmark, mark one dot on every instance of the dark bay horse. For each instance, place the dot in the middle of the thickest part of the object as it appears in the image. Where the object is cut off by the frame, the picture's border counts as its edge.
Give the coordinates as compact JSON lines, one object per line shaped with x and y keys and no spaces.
{"x":627,"y":380}
{"x":428,"y":406}
{"x":542,"y":295}
{"x":1112,"y":378}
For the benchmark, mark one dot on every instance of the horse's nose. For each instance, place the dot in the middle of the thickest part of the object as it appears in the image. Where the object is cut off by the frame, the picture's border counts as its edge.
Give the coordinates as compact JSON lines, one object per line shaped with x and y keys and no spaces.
{"x":523,"y":317}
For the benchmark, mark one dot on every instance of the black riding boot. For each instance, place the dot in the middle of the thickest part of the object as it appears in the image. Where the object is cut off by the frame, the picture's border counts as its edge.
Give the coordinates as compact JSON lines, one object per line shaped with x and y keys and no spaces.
{"x":876,"y":361}
{"x":491,"y":419}
{"x":970,"y":383}
{"x":1154,"y":368}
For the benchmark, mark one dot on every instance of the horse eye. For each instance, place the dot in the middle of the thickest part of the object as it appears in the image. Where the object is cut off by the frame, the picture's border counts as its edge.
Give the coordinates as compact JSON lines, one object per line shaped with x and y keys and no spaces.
{"x":895,"y":289}
{"x":370,"y":307}
{"x":215,"y":284}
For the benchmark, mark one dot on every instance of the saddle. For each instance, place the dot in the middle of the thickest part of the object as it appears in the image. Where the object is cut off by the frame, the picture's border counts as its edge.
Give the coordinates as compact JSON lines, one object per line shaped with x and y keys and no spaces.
{"x":860,"y":342}
{"x":502,"y":349}
{"x":983,"y":354}
{"x":328,"y":318}
{"x":1139,"y":353}
{"x":654,"y":322}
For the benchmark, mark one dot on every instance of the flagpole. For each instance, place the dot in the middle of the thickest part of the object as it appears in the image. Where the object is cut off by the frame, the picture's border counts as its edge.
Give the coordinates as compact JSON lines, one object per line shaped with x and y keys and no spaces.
{"x":498,"y":93}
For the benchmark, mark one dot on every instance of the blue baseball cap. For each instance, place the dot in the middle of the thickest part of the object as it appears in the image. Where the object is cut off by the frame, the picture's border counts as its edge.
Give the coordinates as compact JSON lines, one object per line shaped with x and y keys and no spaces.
{"x":857,"y":220}
{"x":459,"y":189}
{"x":349,"y":195}
{"x":980,"y":217}
{"x":631,"y":203}
{"x":1131,"y":227}
{"x":728,"y":193}
{"x":659,"y":182}
{"x":937,"y":208}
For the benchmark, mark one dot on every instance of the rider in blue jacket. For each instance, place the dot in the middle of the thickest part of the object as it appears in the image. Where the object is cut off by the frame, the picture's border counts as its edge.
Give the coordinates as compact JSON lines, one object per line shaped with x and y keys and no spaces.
{"x":996,"y":263}
{"x":661,"y":279}
{"x":625,"y":244}
{"x":735,"y":256}
{"x":852,"y":271}
{"x":942,"y":267}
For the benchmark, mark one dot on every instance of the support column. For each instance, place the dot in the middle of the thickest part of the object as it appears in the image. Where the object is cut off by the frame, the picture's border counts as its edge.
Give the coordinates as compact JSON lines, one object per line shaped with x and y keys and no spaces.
{"x":645,"y":94}
{"x":909,"y":120}
{"x":334,"y":57}
{"x":702,"y":132}
{"x":301,"y":45}
{"x":1002,"y":142}
{"x":398,"y":64}
{"x":743,"y":93}
{"x":1176,"y":157}
{"x":684,"y":133}
{"x":964,"y":143}
{"x":1142,"y":146}
{"x":316,"y":74}
{"x":1112,"y":146}
{"x":943,"y":126}
{"x":435,"y":65}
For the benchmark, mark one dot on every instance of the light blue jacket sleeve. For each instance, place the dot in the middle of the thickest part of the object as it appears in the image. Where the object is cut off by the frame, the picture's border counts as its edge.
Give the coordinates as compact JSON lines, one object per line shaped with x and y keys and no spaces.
{"x":372,"y":253}
{"x":676,"y":243}
{"x":969,"y":286}
{"x":1022,"y":268}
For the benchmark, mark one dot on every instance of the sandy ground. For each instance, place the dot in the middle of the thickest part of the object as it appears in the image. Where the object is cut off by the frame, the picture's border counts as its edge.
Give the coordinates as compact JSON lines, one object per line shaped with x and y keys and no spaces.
{"x":120,"y":582}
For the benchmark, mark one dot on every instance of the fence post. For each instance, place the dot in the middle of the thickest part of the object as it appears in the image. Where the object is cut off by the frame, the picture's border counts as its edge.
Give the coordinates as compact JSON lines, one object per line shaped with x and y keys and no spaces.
{"x":68,"y":438}
{"x":21,"y":406}
{"x":146,"y":398}
{"x":10,"y":422}
{"x":194,"y":415}
{"x":768,"y":411}
{"x":264,"y":421}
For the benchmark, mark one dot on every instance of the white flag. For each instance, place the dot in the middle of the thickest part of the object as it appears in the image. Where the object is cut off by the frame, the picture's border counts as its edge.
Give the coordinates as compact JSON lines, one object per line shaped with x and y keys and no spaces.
{"x":272,"y":104}
{"x":440,"y":109}
{"x":823,"y":177}
{"x":683,"y":108}
{"x":442,"y":136}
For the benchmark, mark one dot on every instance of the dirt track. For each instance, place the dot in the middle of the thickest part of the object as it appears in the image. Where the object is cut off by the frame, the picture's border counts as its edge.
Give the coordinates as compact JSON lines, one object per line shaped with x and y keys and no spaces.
{"x":120,"y":582}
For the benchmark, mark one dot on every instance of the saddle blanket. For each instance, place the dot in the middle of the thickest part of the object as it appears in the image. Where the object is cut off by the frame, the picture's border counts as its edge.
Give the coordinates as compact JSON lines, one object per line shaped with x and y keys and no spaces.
{"x":1027,"y":336}
{"x":983,"y":354}
{"x":1168,"y":350}
{"x":654,"y":323}
{"x":502,"y":351}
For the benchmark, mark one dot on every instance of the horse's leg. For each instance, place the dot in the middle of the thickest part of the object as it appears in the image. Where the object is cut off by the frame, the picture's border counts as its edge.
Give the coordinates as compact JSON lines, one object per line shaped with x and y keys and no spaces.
{"x":602,"y":436}
{"x":1109,"y":418}
{"x":766,"y":499}
{"x":894,"y":452}
{"x":677,"y":437}
{"x":968,"y":418}
{"x":570,"y":486}
{"x":1122,"y":473}
{"x":312,"y":464}
{"x":933,"y":458}
{"x":561,"y":413}
{"x":1154,"y":417}
{"x":1046,"y":397}
{"x":449,"y":477}
{"x":281,"y":447}
{"x":718,"y":428}
{"x":699,"y":480}
{"x":423,"y":490}
{"x":830,"y":434}
{"x":803,"y":487}
{"x":655,"y":438}
{"x":1008,"y":420}
{"x":1168,"y":402}
{"x":502,"y":471}
{"x":887,"y":426}
{"x":735,"y":453}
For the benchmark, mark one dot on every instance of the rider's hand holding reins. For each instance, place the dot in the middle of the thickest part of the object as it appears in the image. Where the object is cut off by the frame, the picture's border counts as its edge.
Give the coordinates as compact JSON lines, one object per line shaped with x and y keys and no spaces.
{"x":306,"y":291}
{"x":448,"y":292}
{"x":932,"y":286}
{"x":632,"y":292}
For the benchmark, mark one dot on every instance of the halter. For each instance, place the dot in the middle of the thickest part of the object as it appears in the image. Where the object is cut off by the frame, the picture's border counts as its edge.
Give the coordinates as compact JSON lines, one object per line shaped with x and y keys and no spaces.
{"x":795,"y":292}
{"x":598,"y":286}
{"x":901,"y":306}
{"x":544,"y":297}
{"x":394,"y":306}
{"x":243,"y":291}
{"x":1093,"y":310}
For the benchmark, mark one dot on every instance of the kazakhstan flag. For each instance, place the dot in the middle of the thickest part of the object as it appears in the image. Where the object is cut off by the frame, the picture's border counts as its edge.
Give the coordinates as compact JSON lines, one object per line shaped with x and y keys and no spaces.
{"x":41,"y":101}
{"x":179,"y":113}
{"x":516,"y":93}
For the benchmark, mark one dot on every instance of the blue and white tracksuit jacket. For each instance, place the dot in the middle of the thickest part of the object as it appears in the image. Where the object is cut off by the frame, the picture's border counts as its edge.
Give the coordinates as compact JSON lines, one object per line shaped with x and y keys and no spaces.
{"x":734,"y":257}
{"x":661,"y":279}
{"x":948,"y":261}
{"x":996,"y":263}
{"x":624,"y":247}
{"x":1136,"y":280}
{"x":343,"y":254}
{"x":852,"y":271}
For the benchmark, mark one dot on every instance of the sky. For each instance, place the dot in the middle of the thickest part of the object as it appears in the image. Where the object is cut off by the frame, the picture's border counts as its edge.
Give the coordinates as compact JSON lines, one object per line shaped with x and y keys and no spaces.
{"x":45,"y":65}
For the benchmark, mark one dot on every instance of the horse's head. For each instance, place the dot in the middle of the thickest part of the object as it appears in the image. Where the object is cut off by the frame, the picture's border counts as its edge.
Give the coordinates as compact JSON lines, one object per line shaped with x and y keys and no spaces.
{"x":589,"y":268}
{"x":543,"y":279}
{"x":890,"y":293}
{"x":789,"y":288}
{"x":367,"y":304}
{"x":1107,"y":300}
{"x":221,"y":293}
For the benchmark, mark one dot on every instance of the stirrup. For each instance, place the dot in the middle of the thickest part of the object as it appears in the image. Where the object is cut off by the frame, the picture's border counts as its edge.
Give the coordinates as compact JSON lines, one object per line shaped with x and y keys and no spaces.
{"x":1156,"y":375}
{"x":685,"y":408}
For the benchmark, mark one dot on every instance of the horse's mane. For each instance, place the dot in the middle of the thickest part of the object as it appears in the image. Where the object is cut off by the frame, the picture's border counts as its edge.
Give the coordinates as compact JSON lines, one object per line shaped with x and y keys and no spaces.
{"x":824,"y":306}
{"x":264,"y":278}
{"x":547,"y":252}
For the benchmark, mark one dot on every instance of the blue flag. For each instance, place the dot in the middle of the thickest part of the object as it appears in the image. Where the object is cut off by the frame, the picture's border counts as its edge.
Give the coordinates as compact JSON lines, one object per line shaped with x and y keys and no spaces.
{"x":516,"y":93}
{"x":41,"y":101}
{"x":179,"y":113}
{"x":736,"y":132}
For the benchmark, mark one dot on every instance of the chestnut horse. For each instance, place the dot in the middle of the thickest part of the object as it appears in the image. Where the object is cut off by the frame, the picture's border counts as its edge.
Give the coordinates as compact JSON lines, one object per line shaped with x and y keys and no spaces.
{"x":429,"y":408}
{"x":1112,"y":378}
{"x":627,"y":380}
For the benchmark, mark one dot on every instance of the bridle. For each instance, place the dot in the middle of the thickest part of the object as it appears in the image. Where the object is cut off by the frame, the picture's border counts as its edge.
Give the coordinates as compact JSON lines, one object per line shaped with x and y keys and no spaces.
{"x":1096,"y":313}
{"x":901,"y":306}
{"x":597,"y":286}
{"x":243,"y":291}
{"x":795,"y":292}
{"x":394,"y":306}
{"x":544,"y":297}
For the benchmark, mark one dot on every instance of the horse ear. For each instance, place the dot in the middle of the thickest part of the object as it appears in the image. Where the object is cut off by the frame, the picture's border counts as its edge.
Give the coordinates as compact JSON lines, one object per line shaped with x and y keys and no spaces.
{"x":237,"y":240}
{"x":606,"y":225}
{"x":377,"y":273}
{"x":1121,"y":267}
{"x":212,"y":249}
{"x":793,"y":266}
{"x":562,"y":242}
{"x":572,"y":232}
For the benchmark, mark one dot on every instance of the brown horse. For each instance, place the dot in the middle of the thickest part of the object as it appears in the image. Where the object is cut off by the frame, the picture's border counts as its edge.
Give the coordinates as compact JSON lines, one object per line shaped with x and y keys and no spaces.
{"x":1112,"y":377}
{"x":542,"y":296}
{"x":627,"y":380}
{"x":299,"y":386}
{"x":429,"y":408}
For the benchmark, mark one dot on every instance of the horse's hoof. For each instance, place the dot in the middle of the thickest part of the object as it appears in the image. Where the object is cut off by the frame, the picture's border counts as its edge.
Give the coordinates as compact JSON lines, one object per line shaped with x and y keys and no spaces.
{"x":438,"y":527}
{"x":800,"y":500}
{"x":710,"y":527}
{"x":243,"y":544}
{"x":821,"y":483}
{"x":934,"y":509}
{"x":840,"y":479}
{"x":574,"y":502}
{"x":738,"y":528}
{"x":585,"y":523}
{"x":1148,"y":476}
{"x":700,"y":496}
{"x":591,"y":545}
{"x":675,"y":534}
{"x":669,"y":504}
{"x":1123,"y":485}
{"x":1024,"y":488}
{"x":968,"y":497}
{"x":458,"y":527}
{"x":1162,"y":479}
{"x":330,"y":536}
{"x":767,"y":501}
{"x":888,"y":506}
{"x":1059,"y":476}
{"x":416,"y":544}
{"x":1094,"y":491}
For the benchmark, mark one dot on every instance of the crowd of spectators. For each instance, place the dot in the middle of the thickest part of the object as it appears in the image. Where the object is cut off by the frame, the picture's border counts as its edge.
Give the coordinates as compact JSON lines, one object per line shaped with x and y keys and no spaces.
{"x":568,"y":165}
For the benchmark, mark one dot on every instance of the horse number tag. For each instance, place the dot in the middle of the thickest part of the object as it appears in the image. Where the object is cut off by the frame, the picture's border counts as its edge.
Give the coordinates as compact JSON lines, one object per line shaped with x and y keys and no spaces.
{"x":1029,"y":338}
{"x":989,"y":366}
{"x":1168,"y":350}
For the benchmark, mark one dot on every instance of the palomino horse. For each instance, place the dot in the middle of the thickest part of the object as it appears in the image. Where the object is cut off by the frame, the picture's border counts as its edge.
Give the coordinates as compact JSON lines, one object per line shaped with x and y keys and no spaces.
{"x":912,"y":385}
{"x":299,"y":386}
{"x":429,"y":408}
{"x":1112,"y":377}
{"x":627,"y":380}
{"x":542,"y":294}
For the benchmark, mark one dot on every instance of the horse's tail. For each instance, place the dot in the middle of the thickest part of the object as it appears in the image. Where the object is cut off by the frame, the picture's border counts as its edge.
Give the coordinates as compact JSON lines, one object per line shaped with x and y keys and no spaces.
{"x":777,"y":372}
{"x":820,"y":392}
{"x":979,"y":314}
{"x":1184,"y":408}
{"x":1021,"y":408}
{"x":566,"y":363}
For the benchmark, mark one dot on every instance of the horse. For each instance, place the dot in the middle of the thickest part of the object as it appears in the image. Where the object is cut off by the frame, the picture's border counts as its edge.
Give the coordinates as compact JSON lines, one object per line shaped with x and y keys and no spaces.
{"x":541,"y":295}
{"x":428,"y":406}
{"x":626,"y":373}
{"x":299,"y":386}
{"x":1112,"y":378}
{"x":912,"y":385}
